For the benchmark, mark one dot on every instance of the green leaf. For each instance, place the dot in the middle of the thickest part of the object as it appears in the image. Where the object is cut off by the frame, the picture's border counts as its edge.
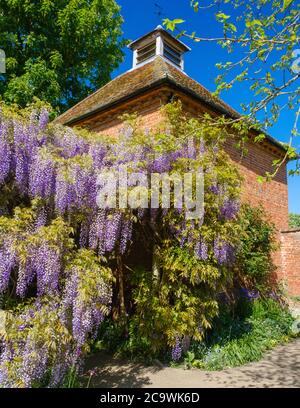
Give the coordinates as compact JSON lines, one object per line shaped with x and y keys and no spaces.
{"x":286,"y":4}
{"x":232,"y":27}
{"x":222,"y":16}
{"x":178,"y":21}
{"x":259,"y":138}
{"x":196,"y":6}
{"x":261,"y":179}
{"x":253,"y":23}
{"x":169,"y":24}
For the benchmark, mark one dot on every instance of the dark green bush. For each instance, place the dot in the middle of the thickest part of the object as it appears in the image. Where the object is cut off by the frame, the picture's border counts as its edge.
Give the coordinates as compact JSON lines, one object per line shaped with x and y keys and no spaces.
{"x":254,"y":264}
{"x":237,"y":340}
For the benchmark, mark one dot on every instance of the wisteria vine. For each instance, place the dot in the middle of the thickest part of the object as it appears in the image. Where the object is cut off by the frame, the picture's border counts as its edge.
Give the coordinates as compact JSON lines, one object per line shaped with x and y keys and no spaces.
{"x":57,"y":248}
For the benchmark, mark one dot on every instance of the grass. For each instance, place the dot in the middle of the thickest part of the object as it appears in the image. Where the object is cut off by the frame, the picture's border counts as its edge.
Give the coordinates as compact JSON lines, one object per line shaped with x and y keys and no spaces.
{"x":242,"y":336}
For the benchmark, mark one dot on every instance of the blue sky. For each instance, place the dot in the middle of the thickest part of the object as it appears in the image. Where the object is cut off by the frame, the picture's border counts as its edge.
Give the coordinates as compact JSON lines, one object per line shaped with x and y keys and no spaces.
{"x":142,"y":16}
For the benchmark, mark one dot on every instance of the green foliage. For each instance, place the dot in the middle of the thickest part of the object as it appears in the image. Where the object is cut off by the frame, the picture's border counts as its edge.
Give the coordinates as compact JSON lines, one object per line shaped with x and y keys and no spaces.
{"x":71,"y":379}
{"x":58,"y":51}
{"x":114,"y":337}
{"x":237,"y":339}
{"x":254,"y":257}
{"x":170,"y":309}
{"x":36,"y":81}
{"x":294,"y":220}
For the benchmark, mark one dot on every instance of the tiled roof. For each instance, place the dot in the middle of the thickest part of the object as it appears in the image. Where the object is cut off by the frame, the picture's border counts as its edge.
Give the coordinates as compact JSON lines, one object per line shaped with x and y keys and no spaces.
{"x":133,"y":82}
{"x":138,"y":80}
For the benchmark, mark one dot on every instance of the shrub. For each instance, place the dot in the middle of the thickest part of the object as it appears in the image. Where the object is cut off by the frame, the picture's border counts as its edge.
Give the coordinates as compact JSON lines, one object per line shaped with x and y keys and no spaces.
{"x":254,"y":264}
{"x":181,"y":303}
{"x":237,"y":340}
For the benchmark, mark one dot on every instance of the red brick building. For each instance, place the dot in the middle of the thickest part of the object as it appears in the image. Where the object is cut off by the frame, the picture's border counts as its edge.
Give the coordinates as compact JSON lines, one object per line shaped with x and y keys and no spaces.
{"x":156,"y":78}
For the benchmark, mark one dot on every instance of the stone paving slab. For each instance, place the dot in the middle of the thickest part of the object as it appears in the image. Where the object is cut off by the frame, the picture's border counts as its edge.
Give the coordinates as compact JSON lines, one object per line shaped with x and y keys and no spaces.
{"x":279,"y":368}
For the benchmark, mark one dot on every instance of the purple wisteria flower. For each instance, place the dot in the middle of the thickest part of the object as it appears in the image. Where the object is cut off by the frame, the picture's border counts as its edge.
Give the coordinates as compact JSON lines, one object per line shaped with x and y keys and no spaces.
{"x":43,"y":119}
{"x":41,"y":219}
{"x":177,"y":350}
{"x":98,"y":153}
{"x":97,"y":232}
{"x":214,"y":188}
{"x":112,"y":233}
{"x":87,"y":315}
{"x":42,"y":176}
{"x":126,"y":233}
{"x":5,"y":152}
{"x":202,"y":147}
{"x":229,"y":208}
{"x":44,"y":264}
{"x":71,"y":144}
{"x":7,"y":263}
{"x":223,"y":252}
{"x":201,"y":250}
{"x":250,"y":294}
{"x":161,"y":164}
{"x":191,"y":149}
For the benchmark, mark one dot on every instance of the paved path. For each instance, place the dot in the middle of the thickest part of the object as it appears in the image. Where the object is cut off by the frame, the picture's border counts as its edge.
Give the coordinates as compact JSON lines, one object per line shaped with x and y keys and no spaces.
{"x":279,"y":368}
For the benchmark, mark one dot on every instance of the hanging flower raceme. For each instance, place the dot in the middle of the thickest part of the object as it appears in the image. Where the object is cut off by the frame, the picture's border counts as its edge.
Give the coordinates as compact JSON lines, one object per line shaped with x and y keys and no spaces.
{"x":112,"y":231}
{"x":42,"y":177}
{"x":7,"y":263}
{"x":37,"y":254}
{"x":229,"y":208}
{"x":106,"y":231}
{"x":49,"y":335}
{"x":43,"y":119}
{"x":70,"y":144}
{"x":5,"y":152}
{"x":177,"y":350}
{"x":125,"y":234}
{"x":201,"y":250}
{"x":87,"y":295}
{"x":223,"y":251}
{"x":97,"y":232}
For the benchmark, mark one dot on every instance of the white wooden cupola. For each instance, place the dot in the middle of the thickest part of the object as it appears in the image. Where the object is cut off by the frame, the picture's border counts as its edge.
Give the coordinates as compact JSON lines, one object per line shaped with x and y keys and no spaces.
{"x":158,"y":43}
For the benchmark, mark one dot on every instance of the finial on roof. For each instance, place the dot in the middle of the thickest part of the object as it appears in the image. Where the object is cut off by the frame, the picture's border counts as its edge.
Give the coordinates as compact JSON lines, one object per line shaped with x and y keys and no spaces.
{"x":158,"y":43}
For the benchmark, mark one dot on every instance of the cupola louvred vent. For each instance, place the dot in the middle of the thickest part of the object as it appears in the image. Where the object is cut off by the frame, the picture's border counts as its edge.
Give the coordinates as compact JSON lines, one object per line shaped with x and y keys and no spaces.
{"x":147,"y":52}
{"x":158,"y":43}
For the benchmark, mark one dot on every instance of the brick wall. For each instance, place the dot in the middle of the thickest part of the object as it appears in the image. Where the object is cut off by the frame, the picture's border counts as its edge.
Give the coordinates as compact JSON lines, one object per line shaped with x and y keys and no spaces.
{"x":290,"y":259}
{"x":147,"y":108}
{"x":273,"y":195}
